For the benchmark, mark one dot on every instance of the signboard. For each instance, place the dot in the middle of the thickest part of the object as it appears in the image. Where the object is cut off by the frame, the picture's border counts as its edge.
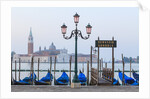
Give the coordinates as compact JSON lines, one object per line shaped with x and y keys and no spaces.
{"x":105,"y":43}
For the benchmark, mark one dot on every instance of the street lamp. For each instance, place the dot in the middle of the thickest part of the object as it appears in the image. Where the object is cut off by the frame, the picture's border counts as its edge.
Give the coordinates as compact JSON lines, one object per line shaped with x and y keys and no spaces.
{"x":63,"y":29}
{"x":76,"y":18}
{"x":76,"y":33}
{"x":94,"y":50}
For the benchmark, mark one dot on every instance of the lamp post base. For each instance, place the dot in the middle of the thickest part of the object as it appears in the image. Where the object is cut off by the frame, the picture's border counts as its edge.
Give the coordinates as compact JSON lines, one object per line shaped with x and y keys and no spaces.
{"x":75,"y":85}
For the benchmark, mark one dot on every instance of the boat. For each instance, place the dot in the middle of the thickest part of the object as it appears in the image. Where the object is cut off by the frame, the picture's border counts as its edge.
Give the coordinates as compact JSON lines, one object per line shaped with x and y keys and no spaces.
{"x":62,"y":80}
{"x":82,"y":78}
{"x":116,"y":82}
{"x":30,"y":78}
{"x":127,"y":80}
{"x":21,"y":82}
{"x":45,"y":80}
{"x":135,"y":75}
{"x":26,"y":80}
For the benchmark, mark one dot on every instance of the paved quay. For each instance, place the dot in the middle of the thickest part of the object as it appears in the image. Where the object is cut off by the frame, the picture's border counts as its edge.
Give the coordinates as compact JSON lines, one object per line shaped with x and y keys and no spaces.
{"x":48,"y":88}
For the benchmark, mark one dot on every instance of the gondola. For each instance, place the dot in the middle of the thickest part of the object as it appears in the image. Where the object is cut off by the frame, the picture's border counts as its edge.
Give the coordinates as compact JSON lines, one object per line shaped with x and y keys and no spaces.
{"x":82,"y":78}
{"x":62,"y":80}
{"x":45,"y":80}
{"x":26,"y":80}
{"x":21,"y":82}
{"x":30,"y":78}
{"x":135,"y":75}
{"x":116,"y":82}
{"x":127,"y":80}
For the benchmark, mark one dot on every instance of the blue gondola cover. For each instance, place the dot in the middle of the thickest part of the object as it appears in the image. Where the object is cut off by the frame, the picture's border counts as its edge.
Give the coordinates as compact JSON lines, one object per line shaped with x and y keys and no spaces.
{"x":128,"y":80}
{"x":47,"y":77}
{"x":63,"y":79}
{"x":45,"y":80}
{"x":82,"y":78}
{"x":27,"y":79}
{"x":136,"y":76}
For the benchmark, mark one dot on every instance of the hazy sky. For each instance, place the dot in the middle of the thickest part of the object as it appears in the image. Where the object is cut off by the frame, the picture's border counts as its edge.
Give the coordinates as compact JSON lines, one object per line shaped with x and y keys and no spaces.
{"x":120,"y":22}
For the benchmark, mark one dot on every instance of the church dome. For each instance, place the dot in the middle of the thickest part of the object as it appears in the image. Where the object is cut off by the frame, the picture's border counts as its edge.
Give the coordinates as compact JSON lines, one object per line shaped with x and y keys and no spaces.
{"x":52,"y":47}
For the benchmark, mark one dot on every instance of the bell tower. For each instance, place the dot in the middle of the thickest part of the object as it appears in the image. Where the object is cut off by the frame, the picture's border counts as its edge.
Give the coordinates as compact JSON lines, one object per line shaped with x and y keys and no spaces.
{"x":30,"y":43}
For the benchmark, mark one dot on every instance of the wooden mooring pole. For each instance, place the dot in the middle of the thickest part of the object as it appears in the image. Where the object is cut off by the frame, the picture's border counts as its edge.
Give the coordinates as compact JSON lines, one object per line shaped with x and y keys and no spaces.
{"x":123,"y":70}
{"x":70,"y":69}
{"x":50,"y":69}
{"x":19,"y":68}
{"x":98,"y":66}
{"x":54,"y":69}
{"x":38,"y":67}
{"x":112,"y":62}
{"x":83,"y":68}
{"x":15,"y":70}
{"x":11,"y":71}
{"x":102,"y":62}
{"x":87,"y":72}
{"x":32,"y":72}
{"x":91,"y":63}
{"x":105,"y":72}
{"x":105,"y":65}
{"x":130,"y":66}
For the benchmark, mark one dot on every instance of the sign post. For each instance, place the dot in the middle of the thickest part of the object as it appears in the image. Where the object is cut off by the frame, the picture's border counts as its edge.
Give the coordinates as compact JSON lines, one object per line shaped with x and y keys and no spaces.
{"x":107,"y":44}
{"x":98,"y":65}
{"x":113,"y":61}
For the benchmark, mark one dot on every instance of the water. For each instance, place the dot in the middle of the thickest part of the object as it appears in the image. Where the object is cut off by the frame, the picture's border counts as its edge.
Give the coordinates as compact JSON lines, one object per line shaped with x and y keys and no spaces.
{"x":65,"y":66}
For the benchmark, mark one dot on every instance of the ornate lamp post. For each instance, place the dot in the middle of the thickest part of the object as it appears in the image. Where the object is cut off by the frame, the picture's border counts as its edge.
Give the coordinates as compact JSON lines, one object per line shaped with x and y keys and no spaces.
{"x":76,"y":33}
{"x":94,"y":50}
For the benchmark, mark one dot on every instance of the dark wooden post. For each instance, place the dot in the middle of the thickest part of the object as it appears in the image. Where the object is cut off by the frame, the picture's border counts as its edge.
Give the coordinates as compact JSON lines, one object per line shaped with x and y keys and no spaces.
{"x":102,"y":62}
{"x":38,"y":67}
{"x":32,"y":72}
{"x":87,"y":72}
{"x":123,"y":70}
{"x":105,"y":70}
{"x":19,"y":68}
{"x":11,"y":71}
{"x":83,"y":68}
{"x":98,"y":65}
{"x":15,"y":70}
{"x":130,"y":67}
{"x":97,"y":75}
{"x":91,"y":56}
{"x":112,"y":62}
{"x":91,"y":62}
{"x":50,"y":69}
{"x":106,"y":73}
{"x":54,"y":68}
{"x":105,"y":65}
{"x":70,"y":69}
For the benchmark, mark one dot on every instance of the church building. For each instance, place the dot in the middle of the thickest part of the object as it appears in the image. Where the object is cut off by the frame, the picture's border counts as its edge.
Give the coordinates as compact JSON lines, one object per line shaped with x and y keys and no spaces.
{"x":44,"y":55}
